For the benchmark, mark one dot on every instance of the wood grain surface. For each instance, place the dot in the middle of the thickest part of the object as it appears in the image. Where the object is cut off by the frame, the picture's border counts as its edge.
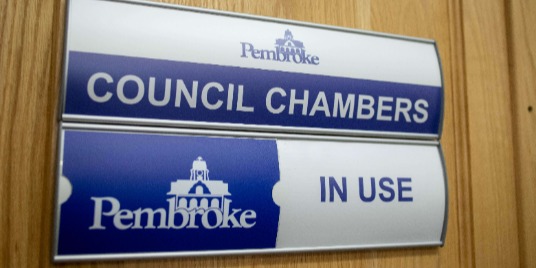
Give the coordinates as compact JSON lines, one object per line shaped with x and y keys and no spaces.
{"x":487,"y":49}
{"x":490,"y":134}
{"x":522,"y":61}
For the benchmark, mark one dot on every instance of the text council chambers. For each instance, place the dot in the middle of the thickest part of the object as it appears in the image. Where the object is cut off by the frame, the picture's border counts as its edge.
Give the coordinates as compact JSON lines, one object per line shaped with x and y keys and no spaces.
{"x":102,"y":87}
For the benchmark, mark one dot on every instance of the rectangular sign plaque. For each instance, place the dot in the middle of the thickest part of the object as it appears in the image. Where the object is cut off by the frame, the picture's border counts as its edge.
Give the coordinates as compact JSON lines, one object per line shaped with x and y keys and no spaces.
{"x":143,"y":64}
{"x":125,"y":194}
{"x":190,"y":132}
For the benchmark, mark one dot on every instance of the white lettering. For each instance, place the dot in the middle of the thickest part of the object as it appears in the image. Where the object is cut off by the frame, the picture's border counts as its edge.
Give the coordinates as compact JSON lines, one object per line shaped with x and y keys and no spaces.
{"x":229,"y":217}
{"x":269,"y":106}
{"x":191,"y":98}
{"x":362,"y":106}
{"x":123,"y":214}
{"x":91,"y":87}
{"x":303,"y":102}
{"x":193,"y":218}
{"x":239,"y":105}
{"x":219,"y":218}
{"x":420,"y":106}
{"x":97,"y":212}
{"x":321,"y":104}
{"x":230,"y":97}
{"x":383,"y":107}
{"x":248,"y":214}
{"x":150,"y":218}
{"x":204,"y":96}
{"x":403,"y":109}
{"x":152,"y":99}
{"x":348,"y":105}
{"x":121,"y":89}
{"x":172,"y":212}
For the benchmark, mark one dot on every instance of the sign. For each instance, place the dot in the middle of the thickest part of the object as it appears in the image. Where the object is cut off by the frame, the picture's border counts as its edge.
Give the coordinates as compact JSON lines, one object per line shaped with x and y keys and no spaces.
{"x":126,"y":194}
{"x":214,"y":70}
{"x":190,"y":132}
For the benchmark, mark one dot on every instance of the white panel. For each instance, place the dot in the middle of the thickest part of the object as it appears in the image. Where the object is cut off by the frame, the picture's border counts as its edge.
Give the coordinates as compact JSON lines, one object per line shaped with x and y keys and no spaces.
{"x":307,"y":222}
{"x":166,"y":33}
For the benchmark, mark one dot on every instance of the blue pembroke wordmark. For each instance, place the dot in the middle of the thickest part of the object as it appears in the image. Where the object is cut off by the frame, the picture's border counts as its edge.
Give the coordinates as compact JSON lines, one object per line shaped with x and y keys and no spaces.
{"x":154,"y":193}
{"x":140,"y":88}
{"x":287,"y":49}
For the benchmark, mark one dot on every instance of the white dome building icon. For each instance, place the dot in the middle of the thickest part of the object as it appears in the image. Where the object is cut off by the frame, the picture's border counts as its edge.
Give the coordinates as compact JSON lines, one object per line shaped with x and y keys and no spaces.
{"x":199,"y":191}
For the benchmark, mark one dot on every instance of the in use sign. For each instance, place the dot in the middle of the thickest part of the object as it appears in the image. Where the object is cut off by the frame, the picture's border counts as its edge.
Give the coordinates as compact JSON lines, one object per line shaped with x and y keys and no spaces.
{"x":129,"y":194}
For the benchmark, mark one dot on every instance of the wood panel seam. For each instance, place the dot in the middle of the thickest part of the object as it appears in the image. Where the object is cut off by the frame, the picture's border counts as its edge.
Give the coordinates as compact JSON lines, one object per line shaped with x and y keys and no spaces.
{"x":524,"y":261}
{"x":462,"y":148}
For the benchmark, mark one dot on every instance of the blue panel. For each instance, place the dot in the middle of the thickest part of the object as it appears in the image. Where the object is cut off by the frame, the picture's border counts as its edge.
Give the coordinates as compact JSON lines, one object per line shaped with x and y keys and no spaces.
{"x":154,"y":171}
{"x":256,"y":87}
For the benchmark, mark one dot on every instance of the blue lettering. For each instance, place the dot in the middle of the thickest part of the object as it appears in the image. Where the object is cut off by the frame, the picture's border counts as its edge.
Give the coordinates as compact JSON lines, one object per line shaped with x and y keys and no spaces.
{"x":334,"y":187}
{"x":372,"y":190}
{"x":322,"y":189}
{"x":315,"y":60}
{"x":386,"y":188}
{"x":280,"y":54}
{"x":250,"y":48}
{"x":402,"y":189}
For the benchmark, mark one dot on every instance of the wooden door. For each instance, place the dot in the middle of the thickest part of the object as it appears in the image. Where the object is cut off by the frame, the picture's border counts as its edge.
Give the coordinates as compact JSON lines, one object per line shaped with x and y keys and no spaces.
{"x":487,"y":49}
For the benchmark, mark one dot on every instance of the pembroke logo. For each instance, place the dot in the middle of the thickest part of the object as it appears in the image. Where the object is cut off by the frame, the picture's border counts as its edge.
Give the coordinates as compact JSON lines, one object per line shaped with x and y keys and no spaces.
{"x":197,"y":202}
{"x":287,"y":49}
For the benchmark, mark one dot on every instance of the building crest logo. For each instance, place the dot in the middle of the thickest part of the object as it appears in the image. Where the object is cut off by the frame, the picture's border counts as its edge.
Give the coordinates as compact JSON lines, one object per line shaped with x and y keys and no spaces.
{"x":287,"y":49}
{"x":195,"y":203}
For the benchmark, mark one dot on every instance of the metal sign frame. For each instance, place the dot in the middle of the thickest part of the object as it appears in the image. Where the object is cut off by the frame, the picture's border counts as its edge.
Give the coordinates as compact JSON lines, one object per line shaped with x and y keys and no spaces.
{"x":173,"y":127}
